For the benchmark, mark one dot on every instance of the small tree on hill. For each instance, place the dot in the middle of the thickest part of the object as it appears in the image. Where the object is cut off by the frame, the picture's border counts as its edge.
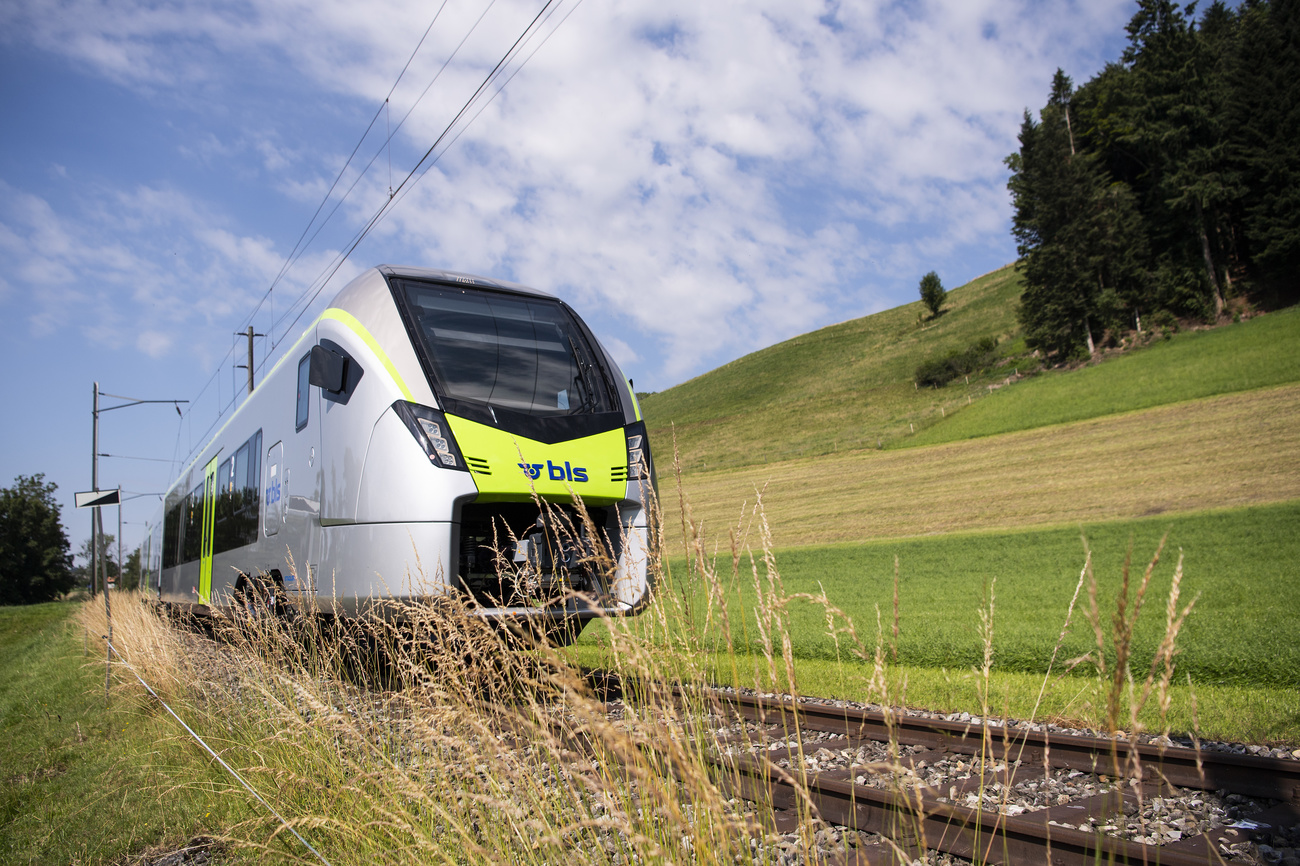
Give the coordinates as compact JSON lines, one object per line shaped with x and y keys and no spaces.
{"x":933,"y":293}
{"x":35,"y":564}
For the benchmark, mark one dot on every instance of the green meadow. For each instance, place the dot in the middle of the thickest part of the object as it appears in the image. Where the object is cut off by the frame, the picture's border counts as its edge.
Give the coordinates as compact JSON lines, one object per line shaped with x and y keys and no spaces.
{"x":1256,"y":353}
{"x":80,"y":782}
{"x":1237,"y":672}
{"x":1241,"y":565}
{"x":843,"y":387}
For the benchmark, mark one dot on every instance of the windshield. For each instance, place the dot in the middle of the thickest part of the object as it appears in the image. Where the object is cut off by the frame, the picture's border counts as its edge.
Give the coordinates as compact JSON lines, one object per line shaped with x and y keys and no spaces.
{"x":520,"y":353}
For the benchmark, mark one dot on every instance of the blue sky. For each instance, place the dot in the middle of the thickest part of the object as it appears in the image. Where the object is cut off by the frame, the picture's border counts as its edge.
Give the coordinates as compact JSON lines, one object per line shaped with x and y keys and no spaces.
{"x":698,"y":180}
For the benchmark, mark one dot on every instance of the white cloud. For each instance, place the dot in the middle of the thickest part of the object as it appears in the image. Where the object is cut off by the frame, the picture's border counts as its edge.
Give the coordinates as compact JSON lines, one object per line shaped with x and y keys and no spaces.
{"x":137,"y":268}
{"x":712,"y":177}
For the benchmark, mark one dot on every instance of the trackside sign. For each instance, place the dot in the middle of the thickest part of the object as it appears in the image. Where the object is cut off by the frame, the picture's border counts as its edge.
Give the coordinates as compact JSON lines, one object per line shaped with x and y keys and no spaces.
{"x":96,"y":498}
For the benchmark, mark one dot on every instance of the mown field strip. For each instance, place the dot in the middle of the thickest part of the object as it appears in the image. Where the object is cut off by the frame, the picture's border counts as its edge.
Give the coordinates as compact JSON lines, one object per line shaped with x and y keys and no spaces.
{"x":1234,"y":450}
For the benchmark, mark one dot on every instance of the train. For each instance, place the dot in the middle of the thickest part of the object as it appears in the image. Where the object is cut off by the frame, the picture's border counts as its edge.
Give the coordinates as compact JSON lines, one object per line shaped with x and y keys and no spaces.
{"x":432,"y":434}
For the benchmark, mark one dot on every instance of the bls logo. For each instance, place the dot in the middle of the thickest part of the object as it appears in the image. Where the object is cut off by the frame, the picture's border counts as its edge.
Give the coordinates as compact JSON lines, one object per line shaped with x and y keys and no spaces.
{"x":554,"y":471}
{"x":273,"y":492}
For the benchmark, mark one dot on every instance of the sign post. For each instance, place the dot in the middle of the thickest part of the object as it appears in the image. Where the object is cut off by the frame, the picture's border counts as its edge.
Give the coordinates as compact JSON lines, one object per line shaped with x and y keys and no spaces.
{"x":97,"y":499}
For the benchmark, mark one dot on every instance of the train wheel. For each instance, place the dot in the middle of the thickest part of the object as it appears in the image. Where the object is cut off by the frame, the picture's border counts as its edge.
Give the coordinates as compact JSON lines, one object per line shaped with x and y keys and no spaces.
{"x":257,"y":598}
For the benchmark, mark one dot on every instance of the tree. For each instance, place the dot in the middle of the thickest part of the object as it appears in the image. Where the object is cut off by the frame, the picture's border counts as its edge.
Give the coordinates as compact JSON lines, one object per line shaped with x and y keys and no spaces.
{"x":133,"y":571}
{"x":933,"y":293}
{"x":35,"y":563}
{"x":1080,"y":237}
{"x":107,"y":556}
{"x":1176,"y":129}
{"x":1264,"y":112}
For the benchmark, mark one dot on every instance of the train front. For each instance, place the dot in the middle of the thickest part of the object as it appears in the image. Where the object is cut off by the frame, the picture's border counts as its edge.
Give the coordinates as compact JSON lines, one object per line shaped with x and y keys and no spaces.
{"x":534,"y":461}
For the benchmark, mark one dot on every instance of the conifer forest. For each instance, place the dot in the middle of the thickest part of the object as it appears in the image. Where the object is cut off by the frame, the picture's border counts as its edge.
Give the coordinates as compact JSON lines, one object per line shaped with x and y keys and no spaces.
{"x":1168,"y":186}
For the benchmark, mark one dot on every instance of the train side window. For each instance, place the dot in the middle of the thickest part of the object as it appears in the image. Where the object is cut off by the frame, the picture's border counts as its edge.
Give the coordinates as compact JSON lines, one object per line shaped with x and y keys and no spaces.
{"x":304,"y":390}
{"x":223,"y":525}
{"x":251,"y":482}
{"x":192,"y":534}
{"x":172,"y":525}
{"x":241,"y":468}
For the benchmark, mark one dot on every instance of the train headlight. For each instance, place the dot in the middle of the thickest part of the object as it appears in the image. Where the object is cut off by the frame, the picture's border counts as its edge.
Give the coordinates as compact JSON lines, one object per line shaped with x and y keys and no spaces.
{"x":430,"y":429}
{"x":638,"y":453}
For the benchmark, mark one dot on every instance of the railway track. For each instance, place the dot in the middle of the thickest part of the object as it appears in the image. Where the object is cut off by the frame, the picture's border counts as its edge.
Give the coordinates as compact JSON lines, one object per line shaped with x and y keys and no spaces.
{"x":921,"y":784}
{"x":784,"y":753}
{"x":887,"y":787}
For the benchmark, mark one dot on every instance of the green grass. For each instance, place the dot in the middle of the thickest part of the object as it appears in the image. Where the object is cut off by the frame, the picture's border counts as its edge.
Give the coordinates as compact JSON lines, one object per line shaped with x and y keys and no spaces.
{"x":849,"y":386}
{"x":79,"y":784}
{"x":1255,"y":353}
{"x":1228,"y":451}
{"x":1247,"y":714}
{"x":842,"y":387}
{"x":1244,"y":563}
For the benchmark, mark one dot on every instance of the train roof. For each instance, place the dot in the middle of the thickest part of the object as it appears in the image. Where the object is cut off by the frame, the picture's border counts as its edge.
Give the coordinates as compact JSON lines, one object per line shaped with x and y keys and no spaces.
{"x":460,"y":277}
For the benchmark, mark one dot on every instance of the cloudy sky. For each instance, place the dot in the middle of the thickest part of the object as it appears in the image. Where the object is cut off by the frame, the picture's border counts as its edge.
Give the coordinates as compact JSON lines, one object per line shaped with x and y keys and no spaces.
{"x":698,"y":179}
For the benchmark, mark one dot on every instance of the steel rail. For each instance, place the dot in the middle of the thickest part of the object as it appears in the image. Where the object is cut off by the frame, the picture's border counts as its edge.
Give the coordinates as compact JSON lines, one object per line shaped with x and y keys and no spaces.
{"x":1250,"y":775}
{"x":919,"y":822}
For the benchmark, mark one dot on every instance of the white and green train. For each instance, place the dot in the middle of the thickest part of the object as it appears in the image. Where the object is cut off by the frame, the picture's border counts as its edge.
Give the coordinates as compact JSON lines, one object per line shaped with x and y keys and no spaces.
{"x":425,"y":437}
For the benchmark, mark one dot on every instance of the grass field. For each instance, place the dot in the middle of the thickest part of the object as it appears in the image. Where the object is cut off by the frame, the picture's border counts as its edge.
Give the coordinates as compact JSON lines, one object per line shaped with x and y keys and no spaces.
{"x":1233,"y":450}
{"x":80,"y":784}
{"x":842,"y":387}
{"x":384,"y":777}
{"x":849,"y":386}
{"x":1255,"y":353}
{"x":1244,"y":564}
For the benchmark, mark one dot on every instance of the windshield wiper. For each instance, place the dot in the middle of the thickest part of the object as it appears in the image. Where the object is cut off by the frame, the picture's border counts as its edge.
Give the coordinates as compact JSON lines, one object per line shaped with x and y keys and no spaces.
{"x":583,"y":378}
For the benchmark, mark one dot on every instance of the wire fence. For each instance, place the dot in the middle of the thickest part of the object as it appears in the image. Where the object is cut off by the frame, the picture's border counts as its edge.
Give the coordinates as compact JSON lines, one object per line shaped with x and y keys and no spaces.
{"x":229,"y":769}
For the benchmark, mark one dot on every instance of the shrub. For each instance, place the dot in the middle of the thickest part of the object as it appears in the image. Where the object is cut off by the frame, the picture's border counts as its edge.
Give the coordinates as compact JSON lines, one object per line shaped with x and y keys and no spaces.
{"x":938,"y":372}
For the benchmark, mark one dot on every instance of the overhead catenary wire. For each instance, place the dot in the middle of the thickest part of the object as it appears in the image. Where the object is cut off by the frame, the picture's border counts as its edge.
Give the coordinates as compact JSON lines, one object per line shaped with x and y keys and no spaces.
{"x":229,"y":769}
{"x":497,"y":70}
{"x":387,"y":144}
{"x":502,"y":71}
{"x":292,"y":256}
{"x":299,"y":247}
{"x":513,"y":73}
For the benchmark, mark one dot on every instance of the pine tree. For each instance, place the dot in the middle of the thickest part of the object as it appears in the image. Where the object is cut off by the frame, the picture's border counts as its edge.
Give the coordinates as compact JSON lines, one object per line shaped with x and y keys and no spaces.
{"x":1078,"y":232}
{"x":1174,"y":119}
{"x":1264,"y":113}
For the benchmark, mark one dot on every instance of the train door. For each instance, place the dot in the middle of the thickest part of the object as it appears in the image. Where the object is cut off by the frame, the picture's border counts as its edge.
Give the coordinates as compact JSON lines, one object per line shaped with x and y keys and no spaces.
{"x":272,"y":502}
{"x":300,"y":485}
{"x":209,"y":524}
{"x":344,"y":429}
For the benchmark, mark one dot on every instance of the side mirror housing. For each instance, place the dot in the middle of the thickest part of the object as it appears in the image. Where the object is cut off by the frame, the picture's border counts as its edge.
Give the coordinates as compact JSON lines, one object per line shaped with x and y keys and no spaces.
{"x":328,"y":369}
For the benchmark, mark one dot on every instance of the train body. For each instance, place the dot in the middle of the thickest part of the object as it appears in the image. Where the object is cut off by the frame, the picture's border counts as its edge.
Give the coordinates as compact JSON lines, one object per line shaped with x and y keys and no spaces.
{"x":425,"y":436}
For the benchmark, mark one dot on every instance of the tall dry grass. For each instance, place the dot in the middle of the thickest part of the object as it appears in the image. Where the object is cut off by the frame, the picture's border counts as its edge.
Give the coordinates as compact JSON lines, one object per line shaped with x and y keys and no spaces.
{"x":427,"y":735}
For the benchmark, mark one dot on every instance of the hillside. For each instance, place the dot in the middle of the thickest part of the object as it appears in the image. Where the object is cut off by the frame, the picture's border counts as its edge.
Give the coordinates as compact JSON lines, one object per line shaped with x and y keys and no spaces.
{"x":1256,"y":353}
{"x":844,"y":387}
{"x":825,"y":423}
{"x":1220,"y":452}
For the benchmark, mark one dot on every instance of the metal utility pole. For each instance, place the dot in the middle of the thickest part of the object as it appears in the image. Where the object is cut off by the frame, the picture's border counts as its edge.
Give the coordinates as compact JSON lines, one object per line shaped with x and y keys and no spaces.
{"x":99,"y":563}
{"x":94,"y":485}
{"x":250,"y":335}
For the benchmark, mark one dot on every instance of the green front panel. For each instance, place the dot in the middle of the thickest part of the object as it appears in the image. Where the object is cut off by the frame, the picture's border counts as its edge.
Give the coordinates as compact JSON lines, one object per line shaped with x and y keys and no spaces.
{"x":209,"y":523}
{"x":594,"y":467}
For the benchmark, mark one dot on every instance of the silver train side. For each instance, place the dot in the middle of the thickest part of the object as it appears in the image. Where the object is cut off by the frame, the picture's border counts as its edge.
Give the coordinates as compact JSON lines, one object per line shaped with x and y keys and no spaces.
{"x":397,"y":452}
